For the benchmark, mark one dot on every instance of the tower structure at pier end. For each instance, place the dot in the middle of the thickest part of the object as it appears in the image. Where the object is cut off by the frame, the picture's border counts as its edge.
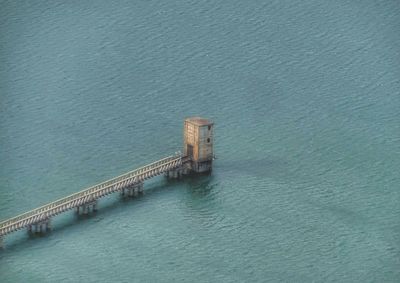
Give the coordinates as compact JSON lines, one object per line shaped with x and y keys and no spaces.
{"x":198,"y":141}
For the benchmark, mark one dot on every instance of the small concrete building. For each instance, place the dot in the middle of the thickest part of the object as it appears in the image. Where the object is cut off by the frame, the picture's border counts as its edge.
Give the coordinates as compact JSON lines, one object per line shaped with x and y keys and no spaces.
{"x":198,"y":143}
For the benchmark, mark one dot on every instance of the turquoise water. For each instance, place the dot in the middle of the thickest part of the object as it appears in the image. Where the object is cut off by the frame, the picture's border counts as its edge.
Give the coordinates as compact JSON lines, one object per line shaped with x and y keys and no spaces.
{"x":305,"y":96}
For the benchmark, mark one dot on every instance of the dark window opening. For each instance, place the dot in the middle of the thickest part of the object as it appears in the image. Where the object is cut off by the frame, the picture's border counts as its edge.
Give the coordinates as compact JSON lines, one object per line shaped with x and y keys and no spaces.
{"x":189,"y":150}
{"x":209,"y":127}
{"x":208,"y":140}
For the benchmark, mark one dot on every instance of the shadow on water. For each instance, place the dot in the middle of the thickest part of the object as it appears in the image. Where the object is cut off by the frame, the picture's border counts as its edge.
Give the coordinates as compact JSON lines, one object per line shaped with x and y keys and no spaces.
{"x":202,"y":196}
{"x":197,"y":186}
{"x":258,"y":167}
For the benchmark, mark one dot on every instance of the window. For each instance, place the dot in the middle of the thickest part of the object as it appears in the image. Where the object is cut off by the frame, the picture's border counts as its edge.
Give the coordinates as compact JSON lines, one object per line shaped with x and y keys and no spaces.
{"x":208,"y":140}
{"x":189,"y":150}
{"x":209,"y":127}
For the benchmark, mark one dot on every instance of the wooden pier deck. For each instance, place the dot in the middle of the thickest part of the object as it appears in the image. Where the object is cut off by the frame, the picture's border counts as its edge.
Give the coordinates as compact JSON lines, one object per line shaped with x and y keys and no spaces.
{"x":38,"y":219}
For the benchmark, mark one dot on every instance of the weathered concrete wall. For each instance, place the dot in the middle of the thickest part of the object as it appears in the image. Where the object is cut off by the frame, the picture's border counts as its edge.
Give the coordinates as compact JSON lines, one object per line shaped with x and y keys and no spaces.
{"x":198,"y":143}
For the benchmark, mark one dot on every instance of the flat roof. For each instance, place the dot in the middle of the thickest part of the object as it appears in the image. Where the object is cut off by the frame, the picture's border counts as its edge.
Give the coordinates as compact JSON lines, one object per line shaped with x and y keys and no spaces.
{"x":199,"y":121}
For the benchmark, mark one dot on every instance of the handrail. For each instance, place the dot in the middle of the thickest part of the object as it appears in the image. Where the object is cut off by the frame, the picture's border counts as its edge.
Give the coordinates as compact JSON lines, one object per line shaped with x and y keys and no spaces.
{"x":91,"y":190}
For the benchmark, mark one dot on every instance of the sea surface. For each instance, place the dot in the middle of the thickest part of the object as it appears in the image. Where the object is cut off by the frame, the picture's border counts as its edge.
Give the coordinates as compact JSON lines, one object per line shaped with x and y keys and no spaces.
{"x":305,"y":96}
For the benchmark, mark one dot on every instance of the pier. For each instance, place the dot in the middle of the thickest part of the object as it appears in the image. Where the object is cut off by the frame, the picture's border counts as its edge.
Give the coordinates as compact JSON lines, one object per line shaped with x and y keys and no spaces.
{"x":197,"y":158}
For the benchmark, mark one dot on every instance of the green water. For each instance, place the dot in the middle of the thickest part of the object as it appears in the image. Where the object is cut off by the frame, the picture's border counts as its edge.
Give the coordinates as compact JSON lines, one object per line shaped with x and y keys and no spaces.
{"x":305,"y":96}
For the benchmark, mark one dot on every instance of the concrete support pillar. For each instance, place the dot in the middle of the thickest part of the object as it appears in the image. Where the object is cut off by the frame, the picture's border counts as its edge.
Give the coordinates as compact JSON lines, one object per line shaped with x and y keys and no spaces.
{"x":85,"y":208}
{"x":175,"y":174}
{"x":1,"y":242}
{"x":140,"y":188}
{"x":48,"y":225}
{"x":133,"y":190}
{"x":40,"y":227}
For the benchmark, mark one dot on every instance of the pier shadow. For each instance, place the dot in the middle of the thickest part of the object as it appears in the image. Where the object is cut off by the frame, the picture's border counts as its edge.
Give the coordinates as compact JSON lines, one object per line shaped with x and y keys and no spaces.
{"x":262,"y":166}
{"x":200,"y":186}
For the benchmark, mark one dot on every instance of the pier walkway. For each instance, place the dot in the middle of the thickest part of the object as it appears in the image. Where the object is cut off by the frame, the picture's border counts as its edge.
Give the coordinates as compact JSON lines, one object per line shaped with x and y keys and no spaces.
{"x":38,"y":219}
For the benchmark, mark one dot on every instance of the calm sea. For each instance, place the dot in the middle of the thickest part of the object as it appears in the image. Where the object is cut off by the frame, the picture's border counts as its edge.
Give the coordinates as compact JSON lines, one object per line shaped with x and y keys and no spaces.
{"x":305,"y":95}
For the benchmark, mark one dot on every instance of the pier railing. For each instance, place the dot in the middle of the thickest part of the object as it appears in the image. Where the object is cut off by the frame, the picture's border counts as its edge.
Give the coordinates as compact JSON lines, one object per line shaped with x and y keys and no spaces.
{"x":92,"y":193}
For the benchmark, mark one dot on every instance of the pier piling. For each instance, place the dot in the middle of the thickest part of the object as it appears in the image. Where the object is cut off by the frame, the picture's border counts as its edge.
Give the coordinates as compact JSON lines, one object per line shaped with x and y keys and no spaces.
{"x":87,"y":207}
{"x":40,"y":227}
{"x":133,"y":190}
